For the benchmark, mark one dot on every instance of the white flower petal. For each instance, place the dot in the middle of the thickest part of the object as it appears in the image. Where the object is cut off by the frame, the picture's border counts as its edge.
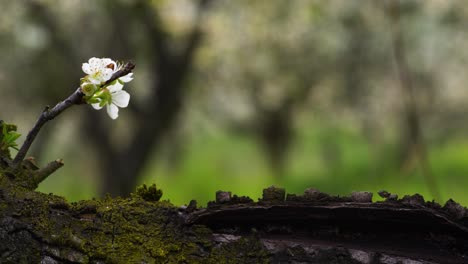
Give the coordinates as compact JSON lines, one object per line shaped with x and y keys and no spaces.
{"x":107,"y":65}
{"x":94,"y":62}
{"x":86,"y":68}
{"x":96,"y":106}
{"x":99,"y":70}
{"x":107,"y":61}
{"x":112,"y":111}
{"x":121,"y":98}
{"x":94,"y":80}
{"x":115,"y":87}
{"x":106,"y":74}
{"x":127,"y":77}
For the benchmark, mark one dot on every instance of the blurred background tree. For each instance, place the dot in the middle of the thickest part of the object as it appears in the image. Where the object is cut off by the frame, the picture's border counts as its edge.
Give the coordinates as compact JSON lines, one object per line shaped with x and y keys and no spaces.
{"x":239,"y":95}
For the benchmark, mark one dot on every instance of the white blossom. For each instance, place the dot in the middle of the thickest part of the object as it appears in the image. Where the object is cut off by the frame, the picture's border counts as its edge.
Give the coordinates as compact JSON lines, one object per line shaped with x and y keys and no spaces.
{"x":98,"y":93}
{"x":99,"y":70}
{"x":127,"y":78}
{"x":113,"y":97}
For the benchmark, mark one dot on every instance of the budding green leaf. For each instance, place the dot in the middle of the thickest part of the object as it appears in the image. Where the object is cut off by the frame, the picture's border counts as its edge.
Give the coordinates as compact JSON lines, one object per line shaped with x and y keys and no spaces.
{"x":9,"y":138}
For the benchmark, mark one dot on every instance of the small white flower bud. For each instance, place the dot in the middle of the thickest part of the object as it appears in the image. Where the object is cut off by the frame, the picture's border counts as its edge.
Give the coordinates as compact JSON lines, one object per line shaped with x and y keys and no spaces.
{"x":88,"y":88}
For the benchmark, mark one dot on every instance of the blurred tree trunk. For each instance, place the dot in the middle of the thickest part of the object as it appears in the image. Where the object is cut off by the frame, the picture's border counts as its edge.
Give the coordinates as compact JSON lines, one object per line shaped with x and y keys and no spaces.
{"x":122,"y":167}
{"x":275,"y":131}
{"x":274,"y":124}
{"x":414,"y":149}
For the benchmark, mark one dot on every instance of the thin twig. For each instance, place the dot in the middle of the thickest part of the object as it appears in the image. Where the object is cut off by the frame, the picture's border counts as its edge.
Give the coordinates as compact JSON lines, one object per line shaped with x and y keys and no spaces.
{"x":46,"y":115}
{"x":74,"y":99}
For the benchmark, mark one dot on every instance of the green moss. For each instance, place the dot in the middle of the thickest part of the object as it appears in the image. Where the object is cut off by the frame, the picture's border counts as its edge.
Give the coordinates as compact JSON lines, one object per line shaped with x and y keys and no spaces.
{"x":149,"y":193}
{"x":113,"y":230}
{"x":122,"y":230}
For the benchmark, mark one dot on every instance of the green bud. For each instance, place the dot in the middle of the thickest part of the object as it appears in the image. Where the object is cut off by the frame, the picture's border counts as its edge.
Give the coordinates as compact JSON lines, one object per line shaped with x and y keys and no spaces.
{"x":88,"y":88}
{"x":92,"y":100}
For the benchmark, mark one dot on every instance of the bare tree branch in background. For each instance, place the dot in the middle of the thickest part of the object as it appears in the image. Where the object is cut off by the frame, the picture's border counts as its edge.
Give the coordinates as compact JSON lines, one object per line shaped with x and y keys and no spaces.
{"x":415,"y":148}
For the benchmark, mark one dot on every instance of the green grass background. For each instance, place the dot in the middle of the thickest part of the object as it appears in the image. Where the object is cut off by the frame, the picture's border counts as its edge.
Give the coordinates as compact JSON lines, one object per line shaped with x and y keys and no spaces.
{"x":230,"y":162}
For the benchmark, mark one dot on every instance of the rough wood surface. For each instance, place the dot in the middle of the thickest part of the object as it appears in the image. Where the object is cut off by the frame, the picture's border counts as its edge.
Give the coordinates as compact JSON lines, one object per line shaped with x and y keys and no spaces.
{"x":380,"y":232}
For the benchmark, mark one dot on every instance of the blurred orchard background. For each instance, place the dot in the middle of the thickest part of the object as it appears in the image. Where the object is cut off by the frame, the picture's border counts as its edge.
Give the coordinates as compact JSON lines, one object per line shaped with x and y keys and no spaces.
{"x":339,"y":95}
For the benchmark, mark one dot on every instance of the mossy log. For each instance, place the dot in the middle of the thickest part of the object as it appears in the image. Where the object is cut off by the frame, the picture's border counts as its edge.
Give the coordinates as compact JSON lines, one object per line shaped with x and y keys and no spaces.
{"x":280,"y":228}
{"x":318,"y":228}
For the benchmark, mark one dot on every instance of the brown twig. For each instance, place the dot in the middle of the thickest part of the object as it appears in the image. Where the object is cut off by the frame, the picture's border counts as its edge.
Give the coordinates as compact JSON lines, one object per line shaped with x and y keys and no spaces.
{"x":48,"y":114}
{"x":50,"y":168}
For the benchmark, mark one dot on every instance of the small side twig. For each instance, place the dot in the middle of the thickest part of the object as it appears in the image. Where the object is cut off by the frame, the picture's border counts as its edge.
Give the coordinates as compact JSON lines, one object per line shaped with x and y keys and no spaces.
{"x":44,"y":172}
{"x":48,"y":114}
